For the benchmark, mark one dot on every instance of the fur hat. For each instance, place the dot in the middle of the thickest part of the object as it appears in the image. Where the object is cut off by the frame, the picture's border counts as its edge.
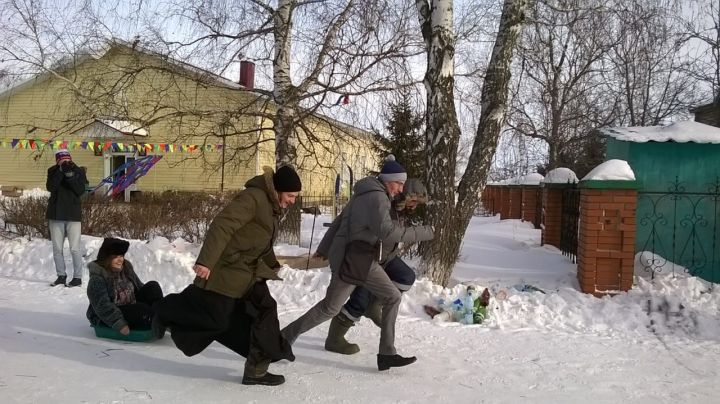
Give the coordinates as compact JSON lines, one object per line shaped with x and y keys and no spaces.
{"x":286,"y":180}
{"x":112,"y":246}
{"x":62,"y":155}
{"x":415,"y":188}
{"x":392,"y":171}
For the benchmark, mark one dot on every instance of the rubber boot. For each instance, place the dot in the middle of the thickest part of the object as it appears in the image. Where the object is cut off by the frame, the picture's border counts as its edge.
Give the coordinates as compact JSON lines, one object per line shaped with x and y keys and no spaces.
{"x":374,"y":312}
{"x":256,"y":367}
{"x":336,"y":342}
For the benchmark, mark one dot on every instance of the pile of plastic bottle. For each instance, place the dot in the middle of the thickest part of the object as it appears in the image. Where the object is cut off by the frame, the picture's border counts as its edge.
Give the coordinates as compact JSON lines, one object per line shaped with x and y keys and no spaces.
{"x":464,"y":310}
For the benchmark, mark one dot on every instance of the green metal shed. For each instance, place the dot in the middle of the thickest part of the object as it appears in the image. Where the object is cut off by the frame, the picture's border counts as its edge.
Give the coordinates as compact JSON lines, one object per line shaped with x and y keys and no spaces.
{"x":677,"y":168}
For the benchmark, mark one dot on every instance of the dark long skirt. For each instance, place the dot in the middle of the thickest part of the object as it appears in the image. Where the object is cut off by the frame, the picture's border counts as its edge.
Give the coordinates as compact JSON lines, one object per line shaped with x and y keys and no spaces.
{"x":197,"y":317}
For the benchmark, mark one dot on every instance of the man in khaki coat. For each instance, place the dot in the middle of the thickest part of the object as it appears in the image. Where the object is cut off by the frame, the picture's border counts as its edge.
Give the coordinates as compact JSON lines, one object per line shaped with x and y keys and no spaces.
{"x":229,"y":301}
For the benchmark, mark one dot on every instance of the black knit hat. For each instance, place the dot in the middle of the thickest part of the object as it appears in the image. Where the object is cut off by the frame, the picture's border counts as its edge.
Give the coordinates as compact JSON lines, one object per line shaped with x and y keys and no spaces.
{"x":112,"y":246}
{"x":286,"y":180}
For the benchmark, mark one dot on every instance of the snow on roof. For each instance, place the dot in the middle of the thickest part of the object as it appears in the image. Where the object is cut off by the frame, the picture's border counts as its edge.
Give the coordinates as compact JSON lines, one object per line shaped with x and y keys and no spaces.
{"x":125,"y":127}
{"x":681,"y":132}
{"x":611,"y":170}
{"x":560,"y":175}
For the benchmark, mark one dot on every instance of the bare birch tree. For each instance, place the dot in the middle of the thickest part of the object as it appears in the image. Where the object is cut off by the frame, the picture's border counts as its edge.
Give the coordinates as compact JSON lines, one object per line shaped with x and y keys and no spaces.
{"x":561,"y":96}
{"x":318,"y":52}
{"x":449,"y":217}
{"x":702,"y":32}
{"x":649,"y":64}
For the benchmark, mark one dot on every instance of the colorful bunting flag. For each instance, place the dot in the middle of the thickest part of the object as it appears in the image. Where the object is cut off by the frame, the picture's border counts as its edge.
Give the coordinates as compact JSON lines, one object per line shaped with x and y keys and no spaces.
{"x":38,"y":144}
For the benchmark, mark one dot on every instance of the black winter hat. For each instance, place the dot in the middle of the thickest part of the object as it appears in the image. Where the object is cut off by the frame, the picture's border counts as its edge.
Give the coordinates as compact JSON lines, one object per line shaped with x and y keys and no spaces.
{"x":392,"y":170}
{"x":286,"y":180}
{"x":112,"y":246}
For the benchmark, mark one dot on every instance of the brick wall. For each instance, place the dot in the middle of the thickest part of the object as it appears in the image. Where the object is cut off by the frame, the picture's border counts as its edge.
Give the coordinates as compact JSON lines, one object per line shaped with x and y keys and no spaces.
{"x":504,"y":201}
{"x":515,"y":196}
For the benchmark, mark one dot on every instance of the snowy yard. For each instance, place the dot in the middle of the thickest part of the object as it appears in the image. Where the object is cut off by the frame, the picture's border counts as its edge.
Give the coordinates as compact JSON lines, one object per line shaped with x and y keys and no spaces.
{"x":563,"y":346}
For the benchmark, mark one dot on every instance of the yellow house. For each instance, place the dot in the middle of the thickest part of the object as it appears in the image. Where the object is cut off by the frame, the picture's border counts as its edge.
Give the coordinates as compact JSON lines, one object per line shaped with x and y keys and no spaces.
{"x":213,"y":134}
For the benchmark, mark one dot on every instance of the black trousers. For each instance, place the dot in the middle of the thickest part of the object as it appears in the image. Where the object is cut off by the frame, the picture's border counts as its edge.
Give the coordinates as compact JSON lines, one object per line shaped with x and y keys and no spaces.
{"x":139,"y":315}
{"x":197,"y":317}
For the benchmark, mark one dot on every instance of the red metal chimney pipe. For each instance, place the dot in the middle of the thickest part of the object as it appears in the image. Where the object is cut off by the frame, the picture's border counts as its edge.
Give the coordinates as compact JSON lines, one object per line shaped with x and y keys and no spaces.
{"x":247,"y":74}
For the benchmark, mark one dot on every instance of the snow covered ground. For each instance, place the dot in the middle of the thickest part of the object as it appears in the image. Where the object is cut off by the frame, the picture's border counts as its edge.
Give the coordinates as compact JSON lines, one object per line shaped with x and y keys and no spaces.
{"x":563,"y":346}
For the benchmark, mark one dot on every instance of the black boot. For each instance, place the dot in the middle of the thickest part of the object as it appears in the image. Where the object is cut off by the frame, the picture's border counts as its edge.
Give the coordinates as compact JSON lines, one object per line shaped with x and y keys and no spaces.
{"x":268,"y":379}
{"x":75,"y":282}
{"x":256,"y":367}
{"x":335,"y":341}
{"x":59,"y":281}
{"x":386,"y":362}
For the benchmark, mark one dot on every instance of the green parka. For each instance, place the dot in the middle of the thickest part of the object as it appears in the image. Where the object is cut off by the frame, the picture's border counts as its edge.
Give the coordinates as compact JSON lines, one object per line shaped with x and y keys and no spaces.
{"x":238,"y":246}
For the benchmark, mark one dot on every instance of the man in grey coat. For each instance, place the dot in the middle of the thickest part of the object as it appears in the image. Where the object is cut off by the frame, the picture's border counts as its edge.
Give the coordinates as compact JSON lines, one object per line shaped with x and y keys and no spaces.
{"x":354,"y":255}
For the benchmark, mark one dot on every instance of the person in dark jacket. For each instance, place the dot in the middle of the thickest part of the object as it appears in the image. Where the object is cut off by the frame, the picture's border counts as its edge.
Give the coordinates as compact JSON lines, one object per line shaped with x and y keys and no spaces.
{"x":66,"y":183}
{"x":362,"y":302}
{"x":229,"y":301}
{"x":118,"y":298}
{"x":366,"y":228}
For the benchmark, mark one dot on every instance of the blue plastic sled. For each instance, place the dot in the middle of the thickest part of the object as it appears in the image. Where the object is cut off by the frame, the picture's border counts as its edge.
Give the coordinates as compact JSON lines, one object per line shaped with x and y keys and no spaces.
{"x":135,"y":335}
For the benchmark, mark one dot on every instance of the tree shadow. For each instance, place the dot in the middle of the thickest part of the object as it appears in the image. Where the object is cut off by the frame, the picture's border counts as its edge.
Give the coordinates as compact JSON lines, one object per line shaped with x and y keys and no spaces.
{"x":71,"y":338}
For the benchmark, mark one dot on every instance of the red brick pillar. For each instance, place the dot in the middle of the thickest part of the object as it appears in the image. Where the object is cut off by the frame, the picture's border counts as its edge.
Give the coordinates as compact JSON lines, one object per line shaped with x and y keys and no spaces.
{"x":515,"y":196}
{"x":606,"y":243}
{"x":552,"y":213}
{"x":529,"y":203}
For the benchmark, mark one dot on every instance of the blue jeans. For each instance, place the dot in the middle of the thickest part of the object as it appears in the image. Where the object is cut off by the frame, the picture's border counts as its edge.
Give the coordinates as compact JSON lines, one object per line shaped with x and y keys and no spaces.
{"x":399,"y":273}
{"x":59,"y":229}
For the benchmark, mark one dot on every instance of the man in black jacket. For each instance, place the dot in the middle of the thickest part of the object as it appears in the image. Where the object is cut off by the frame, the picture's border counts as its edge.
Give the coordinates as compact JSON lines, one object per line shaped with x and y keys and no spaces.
{"x":66,"y":183}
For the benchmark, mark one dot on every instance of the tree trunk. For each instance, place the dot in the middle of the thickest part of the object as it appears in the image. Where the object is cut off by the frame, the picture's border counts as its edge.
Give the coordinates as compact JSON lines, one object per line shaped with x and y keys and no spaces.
{"x":283,"y":90}
{"x":442,"y":135}
{"x":285,"y":97}
{"x":451,"y":219}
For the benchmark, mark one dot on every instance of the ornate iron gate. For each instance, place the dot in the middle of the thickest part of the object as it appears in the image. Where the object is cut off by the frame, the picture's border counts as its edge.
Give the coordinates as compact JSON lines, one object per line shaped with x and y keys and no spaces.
{"x":569,"y":221}
{"x":680,"y":228}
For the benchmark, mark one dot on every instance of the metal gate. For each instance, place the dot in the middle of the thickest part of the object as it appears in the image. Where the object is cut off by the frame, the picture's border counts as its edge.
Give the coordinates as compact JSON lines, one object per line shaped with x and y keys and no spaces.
{"x":680,"y":231}
{"x":569,"y":221}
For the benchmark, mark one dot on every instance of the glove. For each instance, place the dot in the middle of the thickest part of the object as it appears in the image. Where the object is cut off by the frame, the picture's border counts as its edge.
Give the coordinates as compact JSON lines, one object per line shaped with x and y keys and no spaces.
{"x":67,"y":169}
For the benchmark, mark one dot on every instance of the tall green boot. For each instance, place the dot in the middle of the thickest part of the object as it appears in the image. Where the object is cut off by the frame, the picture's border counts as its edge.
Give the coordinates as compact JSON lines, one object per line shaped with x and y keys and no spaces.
{"x":336,"y":342}
{"x":374,"y":312}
